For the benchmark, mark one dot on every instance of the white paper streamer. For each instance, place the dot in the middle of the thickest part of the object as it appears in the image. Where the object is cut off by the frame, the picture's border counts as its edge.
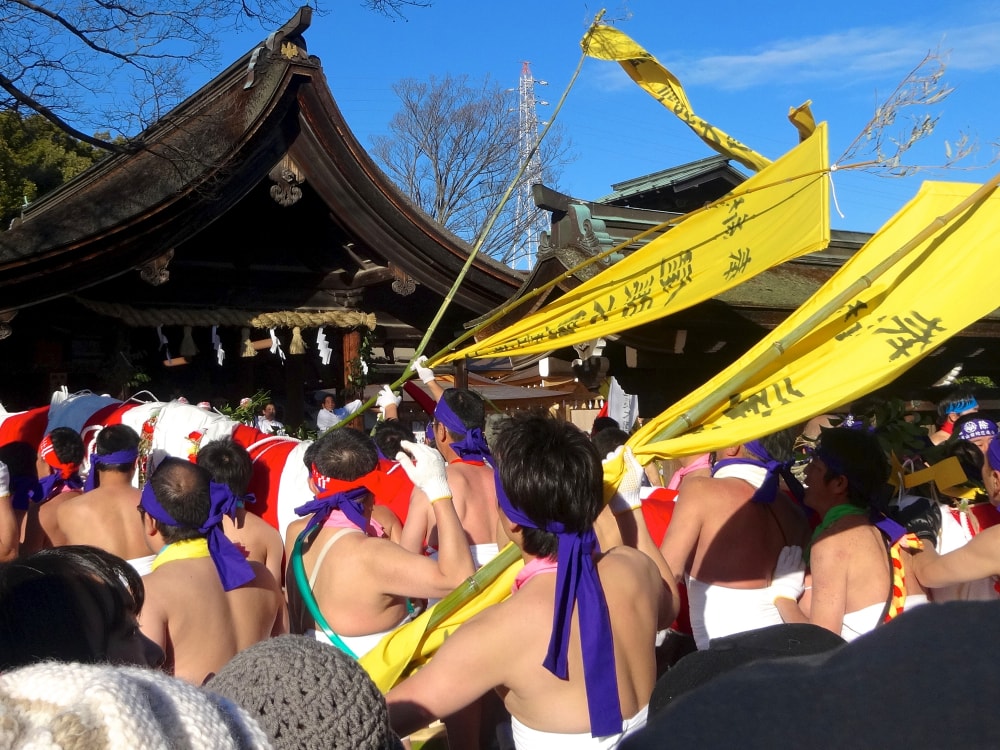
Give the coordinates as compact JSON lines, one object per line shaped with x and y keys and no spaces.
{"x":163,"y":342}
{"x":276,"y":345}
{"x":325,"y":352}
{"x":220,"y":353}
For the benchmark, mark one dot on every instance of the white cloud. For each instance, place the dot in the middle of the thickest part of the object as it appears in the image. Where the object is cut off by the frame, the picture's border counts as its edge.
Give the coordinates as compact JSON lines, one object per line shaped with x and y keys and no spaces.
{"x":848,"y":56}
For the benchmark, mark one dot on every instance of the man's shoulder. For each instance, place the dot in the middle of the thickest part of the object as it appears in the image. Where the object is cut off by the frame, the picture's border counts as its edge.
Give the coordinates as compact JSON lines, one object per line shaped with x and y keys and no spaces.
{"x":627,"y":561}
{"x":713,"y":491}
{"x":842,"y":535}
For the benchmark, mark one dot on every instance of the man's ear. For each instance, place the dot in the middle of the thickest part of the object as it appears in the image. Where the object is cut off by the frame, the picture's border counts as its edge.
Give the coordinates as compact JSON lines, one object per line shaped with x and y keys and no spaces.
{"x":729,"y":452}
{"x":839,"y":484}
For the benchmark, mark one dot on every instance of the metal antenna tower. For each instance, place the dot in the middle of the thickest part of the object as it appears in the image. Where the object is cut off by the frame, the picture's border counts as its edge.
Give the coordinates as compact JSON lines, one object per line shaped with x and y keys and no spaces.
{"x":528,"y":218}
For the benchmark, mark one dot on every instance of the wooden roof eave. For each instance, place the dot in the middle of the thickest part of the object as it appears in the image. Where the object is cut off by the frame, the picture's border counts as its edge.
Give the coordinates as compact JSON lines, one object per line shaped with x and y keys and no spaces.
{"x":132,"y":208}
{"x":371,"y":207}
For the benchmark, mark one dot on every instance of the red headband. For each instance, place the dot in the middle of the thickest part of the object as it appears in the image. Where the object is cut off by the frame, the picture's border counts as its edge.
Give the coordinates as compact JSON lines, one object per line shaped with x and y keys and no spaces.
{"x":372,"y":481}
{"x":48,"y":453}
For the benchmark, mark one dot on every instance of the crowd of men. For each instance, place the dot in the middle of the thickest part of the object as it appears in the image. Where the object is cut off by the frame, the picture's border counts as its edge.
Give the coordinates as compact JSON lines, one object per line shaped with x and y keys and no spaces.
{"x":815,"y":531}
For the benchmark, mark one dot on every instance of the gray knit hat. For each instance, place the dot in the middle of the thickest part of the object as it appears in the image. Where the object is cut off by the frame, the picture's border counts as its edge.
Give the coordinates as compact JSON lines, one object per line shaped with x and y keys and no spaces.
{"x":69,"y":706}
{"x":307,"y":695}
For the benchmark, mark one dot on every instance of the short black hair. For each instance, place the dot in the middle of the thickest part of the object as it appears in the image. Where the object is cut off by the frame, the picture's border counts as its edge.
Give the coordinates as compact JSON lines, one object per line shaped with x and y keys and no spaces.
{"x":67,"y":444}
{"x":468,"y":406}
{"x":184,"y":491}
{"x":388,"y":435}
{"x":604,"y":423}
{"x":227,"y":463}
{"x":343,"y":454}
{"x":857,"y":455}
{"x":114,"y":438}
{"x":608,"y":439}
{"x":41,"y":615}
{"x":551,"y":471}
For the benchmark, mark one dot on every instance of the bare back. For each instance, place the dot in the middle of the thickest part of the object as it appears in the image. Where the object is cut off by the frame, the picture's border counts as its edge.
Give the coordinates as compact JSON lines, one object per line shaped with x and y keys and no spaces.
{"x":475,"y":497}
{"x":41,"y":524}
{"x":261,"y":541}
{"x":106,"y":517}
{"x":199,"y":624}
{"x":353,"y":602}
{"x":719,"y":537}
{"x":850,"y":571}
{"x":505,"y":645}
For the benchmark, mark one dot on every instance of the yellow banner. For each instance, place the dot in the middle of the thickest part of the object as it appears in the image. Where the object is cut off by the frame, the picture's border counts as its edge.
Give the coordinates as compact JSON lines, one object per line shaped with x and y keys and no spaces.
{"x":860,"y":331}
{"x":608,"y":43}
{"x":778,"y":214}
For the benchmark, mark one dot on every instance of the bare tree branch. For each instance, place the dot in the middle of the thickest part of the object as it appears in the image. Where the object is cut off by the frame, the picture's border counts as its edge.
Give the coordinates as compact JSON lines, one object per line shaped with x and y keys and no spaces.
{"x":453,"y":150}
{"x":116,"y":66}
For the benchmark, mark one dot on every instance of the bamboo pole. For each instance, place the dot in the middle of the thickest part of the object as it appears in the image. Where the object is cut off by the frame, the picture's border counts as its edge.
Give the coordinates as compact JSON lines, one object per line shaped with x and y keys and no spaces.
{"x":737,"y":382}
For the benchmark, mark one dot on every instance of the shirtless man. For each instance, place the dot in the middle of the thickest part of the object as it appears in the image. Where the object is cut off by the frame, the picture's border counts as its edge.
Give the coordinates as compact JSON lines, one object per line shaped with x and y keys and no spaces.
{"x":980,"y":558}
{"x":361,"y":582}
{"x":725,"y":536}
{"x":204,"y":600}
{"x":613,"y":603}
{"x":849,"y":555}
{"x":229,"y":463}
{"x":59,"y":456}
{"x":105,"y":516}
{"x":459,"y":419}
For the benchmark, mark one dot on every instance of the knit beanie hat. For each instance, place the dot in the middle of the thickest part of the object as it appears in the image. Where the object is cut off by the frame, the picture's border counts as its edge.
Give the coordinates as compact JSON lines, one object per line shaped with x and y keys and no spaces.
{"x":69,"y":706}
{"x":307,"y":694}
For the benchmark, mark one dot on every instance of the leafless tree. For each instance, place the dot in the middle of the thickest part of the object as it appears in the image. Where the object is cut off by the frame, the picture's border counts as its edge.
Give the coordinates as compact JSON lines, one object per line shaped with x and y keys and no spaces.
{"x":92,"y":65}
{"x":453,"y":149}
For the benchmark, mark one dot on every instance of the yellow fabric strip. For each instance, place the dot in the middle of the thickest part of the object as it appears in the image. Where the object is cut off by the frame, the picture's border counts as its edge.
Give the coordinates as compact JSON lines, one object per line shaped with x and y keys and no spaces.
{"x":608,"y":43}
{"x":187,"y":549}
{"x":778,"y":214}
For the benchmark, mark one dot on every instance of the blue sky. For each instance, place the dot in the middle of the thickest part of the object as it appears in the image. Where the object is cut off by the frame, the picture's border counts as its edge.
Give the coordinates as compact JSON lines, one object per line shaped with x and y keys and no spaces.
{"x":742,"y":65}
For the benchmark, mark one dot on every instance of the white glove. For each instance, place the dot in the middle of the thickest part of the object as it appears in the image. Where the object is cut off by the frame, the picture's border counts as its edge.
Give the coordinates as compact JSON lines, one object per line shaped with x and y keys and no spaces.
{"x":4,"y":479}
{"x":789,"y":575}
{"x":425,"y":374}
{"x":387,"y":398}
{"x":427,"y":472}
{"x":627,"y":497}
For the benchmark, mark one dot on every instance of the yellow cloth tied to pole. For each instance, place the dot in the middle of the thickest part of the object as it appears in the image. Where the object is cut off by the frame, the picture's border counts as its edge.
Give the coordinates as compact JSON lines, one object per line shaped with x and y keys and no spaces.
{"x":608,"y":43}
{"x":923,"y":277}
{"x":406,"y":648}
{"x":778,"y":214}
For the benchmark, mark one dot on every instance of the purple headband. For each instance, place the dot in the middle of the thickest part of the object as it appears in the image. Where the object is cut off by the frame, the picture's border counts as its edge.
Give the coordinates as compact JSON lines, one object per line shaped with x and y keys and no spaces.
{"x":977,"y":428}
{"x":48,"y":487}
{"x":234,"y":569}
{"x":347,"y":501}
{"x":127,"y":456}
{"x":473,"y":445}
{"x":768,"y":490}
{"x":22,"y":490}
{"x":577,"y":584}
{"x":993,"y":454}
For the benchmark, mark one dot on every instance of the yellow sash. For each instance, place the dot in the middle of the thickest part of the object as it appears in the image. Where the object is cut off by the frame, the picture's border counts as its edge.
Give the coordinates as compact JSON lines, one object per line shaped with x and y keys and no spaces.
{"x":186,"y":549}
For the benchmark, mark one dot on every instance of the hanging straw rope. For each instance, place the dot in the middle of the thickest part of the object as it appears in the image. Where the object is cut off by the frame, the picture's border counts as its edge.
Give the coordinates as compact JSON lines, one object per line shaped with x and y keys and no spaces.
{"x":227,"y":317}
